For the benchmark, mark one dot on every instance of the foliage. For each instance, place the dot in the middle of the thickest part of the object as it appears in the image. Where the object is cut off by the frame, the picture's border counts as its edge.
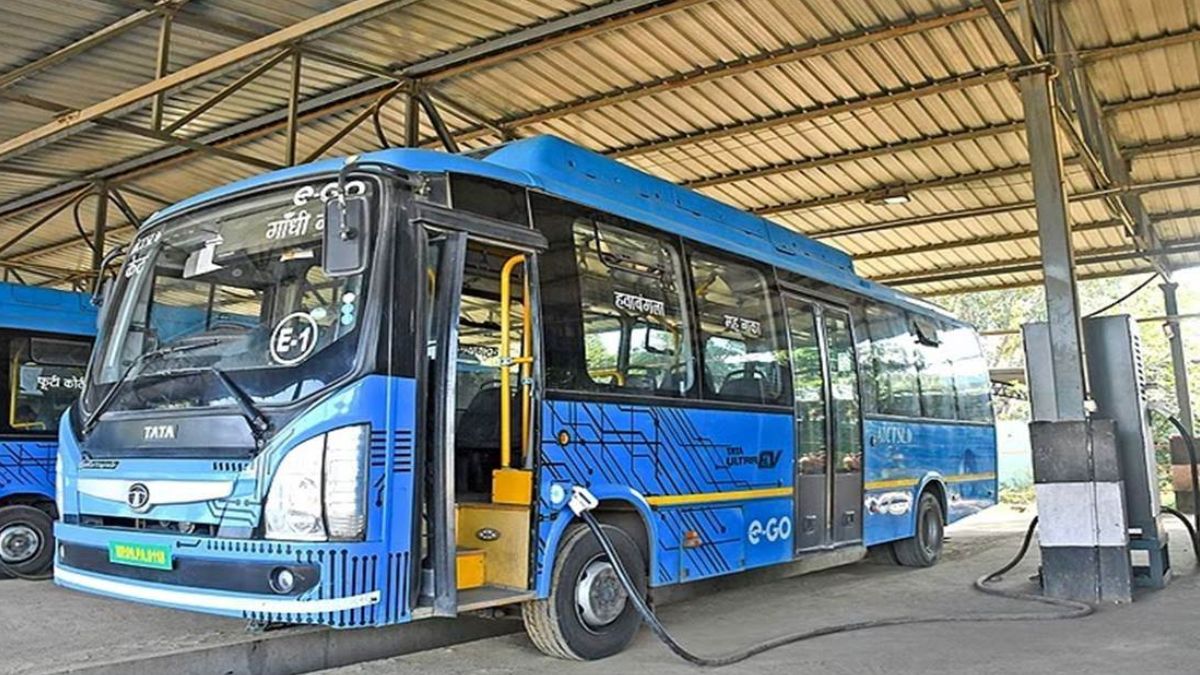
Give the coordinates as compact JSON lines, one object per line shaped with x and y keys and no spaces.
{"x":1008,"y":310}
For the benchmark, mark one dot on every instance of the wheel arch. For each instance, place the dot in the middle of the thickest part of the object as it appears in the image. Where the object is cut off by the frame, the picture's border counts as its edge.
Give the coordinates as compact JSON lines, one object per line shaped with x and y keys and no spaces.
{"x":935,"y":484}
{"x":620,"y":506}
{"x":24,"y":498}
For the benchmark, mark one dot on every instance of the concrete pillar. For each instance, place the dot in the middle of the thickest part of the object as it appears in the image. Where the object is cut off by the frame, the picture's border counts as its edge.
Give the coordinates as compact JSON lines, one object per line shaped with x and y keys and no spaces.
{"x":1083,"y":533}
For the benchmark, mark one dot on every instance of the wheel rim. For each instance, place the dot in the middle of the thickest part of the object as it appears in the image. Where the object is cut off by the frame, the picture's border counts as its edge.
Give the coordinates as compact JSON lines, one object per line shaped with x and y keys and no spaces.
{"x":931,"y":538}
{"x":599,"y":596}
{"x":19,"y":543}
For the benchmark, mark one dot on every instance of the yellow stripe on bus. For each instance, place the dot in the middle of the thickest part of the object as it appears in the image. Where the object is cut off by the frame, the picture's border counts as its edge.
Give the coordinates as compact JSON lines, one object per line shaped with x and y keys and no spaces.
{"x":910,"y":482}
{"x":707,"y":497}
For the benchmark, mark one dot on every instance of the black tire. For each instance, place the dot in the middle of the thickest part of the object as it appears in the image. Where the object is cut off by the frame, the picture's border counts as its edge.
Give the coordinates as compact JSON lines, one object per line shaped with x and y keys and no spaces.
{"x":26,"y":540}
{"x":925,"y":548}
{"x":557,"y":625}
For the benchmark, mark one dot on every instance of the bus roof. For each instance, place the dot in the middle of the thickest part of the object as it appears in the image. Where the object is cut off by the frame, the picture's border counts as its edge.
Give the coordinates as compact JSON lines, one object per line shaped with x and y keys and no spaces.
{"x":46,"y":310}
{"x":557,"y":167}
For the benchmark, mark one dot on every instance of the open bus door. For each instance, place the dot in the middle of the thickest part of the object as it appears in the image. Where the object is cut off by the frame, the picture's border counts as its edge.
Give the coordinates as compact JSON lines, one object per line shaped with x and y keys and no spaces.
{"x":480,"y":404}
{"x":828,"y":429}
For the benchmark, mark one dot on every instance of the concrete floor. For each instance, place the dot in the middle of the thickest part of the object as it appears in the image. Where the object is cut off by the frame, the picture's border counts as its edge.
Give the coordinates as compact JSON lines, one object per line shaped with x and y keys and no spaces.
{"x":1156,"y":634}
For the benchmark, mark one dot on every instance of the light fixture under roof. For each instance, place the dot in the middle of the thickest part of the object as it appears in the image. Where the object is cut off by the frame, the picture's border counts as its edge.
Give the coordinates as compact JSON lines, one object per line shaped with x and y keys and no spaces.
{"x":890,"y":198}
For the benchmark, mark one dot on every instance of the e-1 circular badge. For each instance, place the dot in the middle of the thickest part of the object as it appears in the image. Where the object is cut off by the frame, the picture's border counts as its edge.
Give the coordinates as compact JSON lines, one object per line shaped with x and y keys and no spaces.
{"x":294,"y":339}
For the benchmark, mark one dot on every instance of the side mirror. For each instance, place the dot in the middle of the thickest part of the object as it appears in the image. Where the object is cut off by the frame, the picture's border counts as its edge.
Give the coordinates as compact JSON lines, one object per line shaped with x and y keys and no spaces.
{"x":345,"y":236}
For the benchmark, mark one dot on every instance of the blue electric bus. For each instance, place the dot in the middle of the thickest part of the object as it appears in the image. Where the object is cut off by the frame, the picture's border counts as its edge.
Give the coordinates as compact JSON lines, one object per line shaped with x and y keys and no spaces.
{"x":362,"y":392}
{"x":45,"y":341}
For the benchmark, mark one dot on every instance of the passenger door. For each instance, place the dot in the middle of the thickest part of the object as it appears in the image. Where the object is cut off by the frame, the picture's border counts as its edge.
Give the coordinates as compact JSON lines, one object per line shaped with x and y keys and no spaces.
{"x":828,"y":443}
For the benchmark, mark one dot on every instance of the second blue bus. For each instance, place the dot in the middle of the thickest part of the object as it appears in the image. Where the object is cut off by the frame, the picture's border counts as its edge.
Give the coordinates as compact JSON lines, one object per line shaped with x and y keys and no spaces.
{"x":45,"y":341}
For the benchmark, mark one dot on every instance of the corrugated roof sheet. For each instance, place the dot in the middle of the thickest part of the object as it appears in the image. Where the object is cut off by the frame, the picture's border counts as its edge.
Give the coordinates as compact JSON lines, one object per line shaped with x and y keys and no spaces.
{"x":803,"y":110}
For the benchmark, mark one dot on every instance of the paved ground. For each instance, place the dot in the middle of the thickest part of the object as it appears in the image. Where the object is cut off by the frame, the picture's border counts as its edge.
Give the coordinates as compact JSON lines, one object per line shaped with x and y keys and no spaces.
{"x":46,"y":629}
{"x":1156,"y":634}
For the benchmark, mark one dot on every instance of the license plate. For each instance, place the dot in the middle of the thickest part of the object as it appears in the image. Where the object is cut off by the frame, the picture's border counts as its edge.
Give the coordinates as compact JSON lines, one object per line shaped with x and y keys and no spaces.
{"x":154,"y":556}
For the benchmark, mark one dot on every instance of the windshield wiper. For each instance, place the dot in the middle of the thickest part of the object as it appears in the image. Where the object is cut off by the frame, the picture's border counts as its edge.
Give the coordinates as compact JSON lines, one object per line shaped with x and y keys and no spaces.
{"x":259,"y":424}
{"x":137,"y":363}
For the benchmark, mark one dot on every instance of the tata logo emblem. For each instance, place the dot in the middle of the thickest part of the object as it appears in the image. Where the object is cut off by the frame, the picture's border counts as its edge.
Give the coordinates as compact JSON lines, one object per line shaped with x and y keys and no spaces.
{"x":487,"y":534}
{"x":138,"y":497}
{"x":159,"y":432}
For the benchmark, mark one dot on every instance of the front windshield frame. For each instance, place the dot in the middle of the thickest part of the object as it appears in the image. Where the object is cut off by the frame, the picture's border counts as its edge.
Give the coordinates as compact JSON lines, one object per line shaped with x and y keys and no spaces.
{"x":369,"y":325}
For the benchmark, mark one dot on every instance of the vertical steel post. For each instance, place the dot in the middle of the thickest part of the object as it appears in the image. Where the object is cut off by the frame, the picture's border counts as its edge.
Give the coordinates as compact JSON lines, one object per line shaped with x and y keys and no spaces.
{"x":101,"y":226}
{"x":1178,"y":355}
{"x":412,"y":120}
{"x":160,"y":70}
{"x":293,"y":109}
{"x":1058,"y":255}
{"x":1083,"y":533}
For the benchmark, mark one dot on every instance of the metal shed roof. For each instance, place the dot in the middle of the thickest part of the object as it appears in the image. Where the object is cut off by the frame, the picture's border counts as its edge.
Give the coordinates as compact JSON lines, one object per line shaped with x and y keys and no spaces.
{"x":806,"y":111}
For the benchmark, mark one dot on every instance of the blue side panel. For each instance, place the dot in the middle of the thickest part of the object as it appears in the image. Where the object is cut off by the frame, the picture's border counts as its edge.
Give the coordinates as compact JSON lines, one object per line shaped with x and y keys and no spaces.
{"x":636,"y":453}
{"x":46,"y":310}
{"x":26,"y":467}
{"x":904,"y":456}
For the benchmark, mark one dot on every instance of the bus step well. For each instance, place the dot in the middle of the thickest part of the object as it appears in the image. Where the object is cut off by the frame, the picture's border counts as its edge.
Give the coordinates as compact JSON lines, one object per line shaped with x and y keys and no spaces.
{"x":500,"y":533}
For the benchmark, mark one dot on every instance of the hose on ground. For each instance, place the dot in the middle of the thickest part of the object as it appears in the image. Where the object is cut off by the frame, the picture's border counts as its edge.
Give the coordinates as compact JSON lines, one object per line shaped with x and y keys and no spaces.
{"x":1066,"y":609}
{"x":1190,"y":445}
{"x":1192,"y":534}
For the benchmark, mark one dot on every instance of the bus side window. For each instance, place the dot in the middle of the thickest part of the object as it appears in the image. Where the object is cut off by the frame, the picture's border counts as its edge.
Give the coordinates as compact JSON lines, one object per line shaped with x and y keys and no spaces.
{"x":972,"y":381}
{"x":935,"y":371}
{"x":635,"y":328}
{"x":890,"y":370}
{"x":45,"y":376}
{"x":744,"y":359}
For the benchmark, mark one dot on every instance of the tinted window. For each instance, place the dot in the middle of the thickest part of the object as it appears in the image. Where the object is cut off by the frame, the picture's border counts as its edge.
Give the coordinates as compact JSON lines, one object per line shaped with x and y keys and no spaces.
{"x":889,"y":367}
{"x":635,"y":330}
{"x":744,"y":358}
{"x":935,"y":371}
{"x":45,"y":377}
{"x":972,"y":382}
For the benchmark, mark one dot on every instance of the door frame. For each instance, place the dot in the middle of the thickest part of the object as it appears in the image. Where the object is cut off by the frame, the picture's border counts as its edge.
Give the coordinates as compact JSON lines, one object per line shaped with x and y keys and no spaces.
{"x":460,"y":228}
{"x":820,"y":305}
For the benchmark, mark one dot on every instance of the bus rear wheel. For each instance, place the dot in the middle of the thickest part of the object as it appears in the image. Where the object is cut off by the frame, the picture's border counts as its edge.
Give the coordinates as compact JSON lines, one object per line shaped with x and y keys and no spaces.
{"x":925,"y":547}
{"x":26,"y":540}
{"x":587,"y":615}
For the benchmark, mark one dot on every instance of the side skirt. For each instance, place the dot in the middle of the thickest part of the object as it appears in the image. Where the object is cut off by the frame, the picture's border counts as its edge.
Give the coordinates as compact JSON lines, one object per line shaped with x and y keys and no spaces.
{"x":806,"y":564}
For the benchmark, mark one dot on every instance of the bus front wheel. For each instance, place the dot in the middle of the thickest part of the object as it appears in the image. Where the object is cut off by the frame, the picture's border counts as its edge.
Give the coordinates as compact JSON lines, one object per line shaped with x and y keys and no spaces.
{"x":587,"y":615}
{"x":925,"y":547}
{"x":26,"y":540}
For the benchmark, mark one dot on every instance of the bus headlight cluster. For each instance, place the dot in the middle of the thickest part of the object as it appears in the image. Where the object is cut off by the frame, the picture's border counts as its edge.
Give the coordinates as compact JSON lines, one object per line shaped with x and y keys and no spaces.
{"x":319,"y":489}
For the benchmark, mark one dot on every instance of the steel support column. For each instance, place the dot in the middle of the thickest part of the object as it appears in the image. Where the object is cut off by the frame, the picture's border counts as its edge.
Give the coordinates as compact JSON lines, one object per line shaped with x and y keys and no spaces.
{"x":293,"y":111}
{"x":1083,"y":533}
{"x":412,"y":120}
{"x":160,"y":70}
{"x":101,"y":226}
{"x":1058,"y":255}
{"x":1178,"y":355}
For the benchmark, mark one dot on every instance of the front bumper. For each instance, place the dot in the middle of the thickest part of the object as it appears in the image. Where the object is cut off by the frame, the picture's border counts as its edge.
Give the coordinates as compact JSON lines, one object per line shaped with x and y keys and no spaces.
{"x":337,"y":584}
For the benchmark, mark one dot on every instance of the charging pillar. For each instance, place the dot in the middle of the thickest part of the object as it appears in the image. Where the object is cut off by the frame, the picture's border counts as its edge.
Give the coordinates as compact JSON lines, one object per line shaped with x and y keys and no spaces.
{"x":1082,"y":528}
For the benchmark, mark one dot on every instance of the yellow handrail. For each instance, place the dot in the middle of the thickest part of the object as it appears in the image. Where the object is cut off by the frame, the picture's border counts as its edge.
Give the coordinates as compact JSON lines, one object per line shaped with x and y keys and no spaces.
{"x":506,"y":360}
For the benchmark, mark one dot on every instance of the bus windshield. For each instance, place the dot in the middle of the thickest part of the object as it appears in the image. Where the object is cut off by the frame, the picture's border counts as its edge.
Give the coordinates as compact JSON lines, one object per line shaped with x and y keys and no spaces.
{"x":234,"y":293}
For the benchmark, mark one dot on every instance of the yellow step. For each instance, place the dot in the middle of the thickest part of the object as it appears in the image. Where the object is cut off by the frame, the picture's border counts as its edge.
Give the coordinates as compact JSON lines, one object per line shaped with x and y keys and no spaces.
{"x":470,"y":568}
{"x":502,"y":532}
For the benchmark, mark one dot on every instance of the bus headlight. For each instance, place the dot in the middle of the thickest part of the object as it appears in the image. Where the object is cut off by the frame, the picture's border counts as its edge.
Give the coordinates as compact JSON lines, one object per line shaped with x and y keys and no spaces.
{"x":319,"y":489}
{"x":293,"y":508}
